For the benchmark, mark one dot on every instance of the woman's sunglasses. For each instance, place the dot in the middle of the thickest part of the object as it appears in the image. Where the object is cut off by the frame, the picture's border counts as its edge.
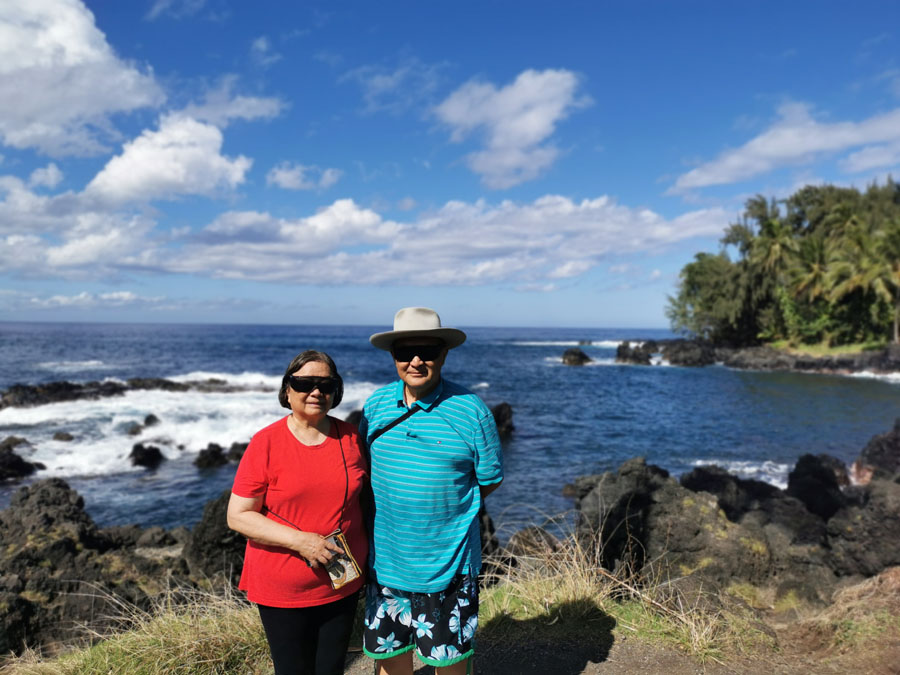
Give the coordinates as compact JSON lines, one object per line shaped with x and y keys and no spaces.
{"x":304,"y":385}
{"x":406,"y":353}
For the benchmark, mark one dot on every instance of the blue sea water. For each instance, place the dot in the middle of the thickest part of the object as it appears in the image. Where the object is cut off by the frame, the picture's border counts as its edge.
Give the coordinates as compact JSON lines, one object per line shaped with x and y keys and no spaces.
{"x":569,"y":421}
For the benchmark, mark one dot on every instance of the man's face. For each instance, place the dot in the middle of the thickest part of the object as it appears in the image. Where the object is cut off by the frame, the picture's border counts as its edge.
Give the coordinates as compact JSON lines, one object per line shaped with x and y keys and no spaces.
{"x":419,"y":369}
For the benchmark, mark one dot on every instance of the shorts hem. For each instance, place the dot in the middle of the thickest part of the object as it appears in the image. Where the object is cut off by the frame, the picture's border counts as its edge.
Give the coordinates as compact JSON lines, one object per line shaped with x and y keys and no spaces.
{"x":441,"y":663}
{"x":387,"y":655}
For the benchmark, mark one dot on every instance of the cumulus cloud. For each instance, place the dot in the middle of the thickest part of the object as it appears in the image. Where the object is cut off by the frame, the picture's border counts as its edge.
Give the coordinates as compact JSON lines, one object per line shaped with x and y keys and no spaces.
{"x":65,"y":79}
{"x":460,"y":244}
{"x":298,"y":177}
{"x":796,"y":138}
{"x":515,"y":121}
{"x":220,"y":106}
{"x":396,"y":89}
{"x":95,"y":235}
{"x":50,"y":176}
{"x":183,"y":157}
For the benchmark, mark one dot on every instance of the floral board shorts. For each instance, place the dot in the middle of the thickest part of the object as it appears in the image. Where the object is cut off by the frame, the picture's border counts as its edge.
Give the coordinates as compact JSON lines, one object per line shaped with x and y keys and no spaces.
{"x":441,"y":626}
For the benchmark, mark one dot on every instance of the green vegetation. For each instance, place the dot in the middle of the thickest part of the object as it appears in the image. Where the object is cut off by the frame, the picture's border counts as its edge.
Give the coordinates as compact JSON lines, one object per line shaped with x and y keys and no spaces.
{"x":557,"y":596}
{"x":186,"y":633}
{"x":820,"y":267}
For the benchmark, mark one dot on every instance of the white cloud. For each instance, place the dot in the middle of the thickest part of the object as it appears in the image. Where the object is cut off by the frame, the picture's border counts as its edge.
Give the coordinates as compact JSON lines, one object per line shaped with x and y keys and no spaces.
{"x":460,"y":244}
{"x":99,"y":240}
{"x":796,"y":138}
{"x":65,"y":79}
{"x":220,"y":106}
{"x":398,"y":89}
{"x":406,"y":204}
{"x":298,"y":177}
{"x":516,"y":122}
{"x":572,"y":268}
{"x":262,"y":54}
{"x":183,"y":157}
{"x":50,"y":176}
{"x":177,"y":9}
{"x":872,"y":157}
{"x":92,"y":300}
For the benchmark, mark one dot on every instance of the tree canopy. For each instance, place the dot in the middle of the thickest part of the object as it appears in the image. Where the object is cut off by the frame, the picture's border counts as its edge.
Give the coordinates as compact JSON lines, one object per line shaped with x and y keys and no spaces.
{"x":822,"y":265}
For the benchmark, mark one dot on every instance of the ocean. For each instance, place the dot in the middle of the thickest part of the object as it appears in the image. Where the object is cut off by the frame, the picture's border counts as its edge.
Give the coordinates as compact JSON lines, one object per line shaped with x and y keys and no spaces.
{"x":570,"y":421}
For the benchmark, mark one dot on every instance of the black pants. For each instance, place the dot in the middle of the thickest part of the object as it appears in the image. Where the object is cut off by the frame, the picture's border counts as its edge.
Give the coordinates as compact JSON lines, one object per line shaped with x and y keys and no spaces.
{"x":309,"y":640}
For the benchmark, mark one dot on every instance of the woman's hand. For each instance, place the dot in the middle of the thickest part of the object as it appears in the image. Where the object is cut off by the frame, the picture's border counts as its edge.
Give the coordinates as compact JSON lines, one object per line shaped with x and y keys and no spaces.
{"x":315,"y":548}
{"x":244,"y":517}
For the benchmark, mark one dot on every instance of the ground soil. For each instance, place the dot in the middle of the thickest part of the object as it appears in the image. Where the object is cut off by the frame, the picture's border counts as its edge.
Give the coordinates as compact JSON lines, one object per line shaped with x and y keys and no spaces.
{"x":634,"y":656}
{"x":811,"y":643}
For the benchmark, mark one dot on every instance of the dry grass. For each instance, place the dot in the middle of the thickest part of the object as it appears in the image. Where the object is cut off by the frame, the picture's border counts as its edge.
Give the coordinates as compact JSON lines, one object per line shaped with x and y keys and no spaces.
{"x":555,"y":594}
{"x":564,"y":589}
{"x":825,"y":349}
{"x":187,"y":632}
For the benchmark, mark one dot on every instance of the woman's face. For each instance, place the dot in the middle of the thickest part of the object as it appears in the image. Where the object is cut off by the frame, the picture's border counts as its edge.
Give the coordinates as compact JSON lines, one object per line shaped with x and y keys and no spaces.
{"x":313,"y":404}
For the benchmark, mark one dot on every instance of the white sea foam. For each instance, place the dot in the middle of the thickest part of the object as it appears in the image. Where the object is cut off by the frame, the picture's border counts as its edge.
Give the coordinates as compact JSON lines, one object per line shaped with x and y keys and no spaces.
{"x":557,"y":361}
{"x":893,"y":378}
{"x":481,"y":385}
{"x":188,"y":422}
{"x":75,"y":366}
{"x":244,"y":379}
{"x":773,"y":473}
{"x":608,"y":344}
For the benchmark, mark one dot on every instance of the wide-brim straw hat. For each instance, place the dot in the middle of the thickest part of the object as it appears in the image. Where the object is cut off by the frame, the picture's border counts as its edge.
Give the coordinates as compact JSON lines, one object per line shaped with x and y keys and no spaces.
{"x":418,"y":322}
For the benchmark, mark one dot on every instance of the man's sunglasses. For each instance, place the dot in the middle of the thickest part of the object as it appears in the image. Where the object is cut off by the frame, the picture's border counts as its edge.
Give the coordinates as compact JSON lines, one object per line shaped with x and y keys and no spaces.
{"x":406,"y":353}
{"x":304,"y":385}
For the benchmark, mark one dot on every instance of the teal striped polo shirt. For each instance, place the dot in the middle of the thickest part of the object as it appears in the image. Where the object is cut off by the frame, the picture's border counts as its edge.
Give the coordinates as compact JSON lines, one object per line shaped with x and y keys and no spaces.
{"x":425,"y":477}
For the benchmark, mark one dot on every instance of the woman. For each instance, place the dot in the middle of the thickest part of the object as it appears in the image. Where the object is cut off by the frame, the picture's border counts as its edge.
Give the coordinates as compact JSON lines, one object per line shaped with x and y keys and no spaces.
{"x":299,"y":481}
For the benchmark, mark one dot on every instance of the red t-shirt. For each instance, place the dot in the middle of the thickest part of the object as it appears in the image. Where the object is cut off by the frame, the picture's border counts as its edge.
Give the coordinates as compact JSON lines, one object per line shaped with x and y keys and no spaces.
{"x":304,"y":484}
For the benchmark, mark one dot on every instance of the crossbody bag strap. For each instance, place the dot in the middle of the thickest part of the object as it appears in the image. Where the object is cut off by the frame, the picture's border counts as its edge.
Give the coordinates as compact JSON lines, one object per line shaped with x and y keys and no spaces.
{"x":394,"y":423}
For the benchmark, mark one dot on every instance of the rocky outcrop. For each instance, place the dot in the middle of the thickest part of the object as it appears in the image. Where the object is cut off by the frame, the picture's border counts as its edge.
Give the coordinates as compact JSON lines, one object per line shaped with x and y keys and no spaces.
{"x":694,"y":353}
{"x":803,"y":541}
{"x":59,"y":571}
{"x":814,"y":483}
{"x":214,"y":548}
{"x":211,"y":457}
{"x":503,"y":415}
{"x":12,"y":466}
{"x":690,"y":353}
{"x":880,"y":458}
{"x":148,"y":456}
{"x":758,"y":358}
{"x":640,"y":354}
{"x":24,"y":395}
{"x":575,"y":357}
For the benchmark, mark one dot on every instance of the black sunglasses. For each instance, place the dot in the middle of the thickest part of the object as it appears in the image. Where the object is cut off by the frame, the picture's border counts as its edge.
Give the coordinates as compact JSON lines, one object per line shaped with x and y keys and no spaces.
{"x":406,"y":353}
{"x":304,"y":385}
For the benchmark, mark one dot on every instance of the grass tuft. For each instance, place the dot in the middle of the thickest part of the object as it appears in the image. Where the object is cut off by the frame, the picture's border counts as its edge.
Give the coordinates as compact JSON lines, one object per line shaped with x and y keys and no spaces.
{"x":186,"y":632}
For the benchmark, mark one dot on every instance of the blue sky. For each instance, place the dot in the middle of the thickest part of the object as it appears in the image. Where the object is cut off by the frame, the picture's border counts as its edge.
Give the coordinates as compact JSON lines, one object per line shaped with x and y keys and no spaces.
{"x":507,"y":163}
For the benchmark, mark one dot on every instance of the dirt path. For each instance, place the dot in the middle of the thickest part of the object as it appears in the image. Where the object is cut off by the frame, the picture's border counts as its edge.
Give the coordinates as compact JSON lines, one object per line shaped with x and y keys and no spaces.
{"x":633,"y":656}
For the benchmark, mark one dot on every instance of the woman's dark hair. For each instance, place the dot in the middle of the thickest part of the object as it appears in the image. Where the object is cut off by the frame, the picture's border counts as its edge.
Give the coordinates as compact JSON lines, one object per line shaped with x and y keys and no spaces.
{"x":301,"y":360}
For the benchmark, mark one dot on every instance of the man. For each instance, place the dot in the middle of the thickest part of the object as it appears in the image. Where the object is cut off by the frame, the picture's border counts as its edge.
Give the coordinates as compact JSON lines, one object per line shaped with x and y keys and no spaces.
{"x":435,"y":455}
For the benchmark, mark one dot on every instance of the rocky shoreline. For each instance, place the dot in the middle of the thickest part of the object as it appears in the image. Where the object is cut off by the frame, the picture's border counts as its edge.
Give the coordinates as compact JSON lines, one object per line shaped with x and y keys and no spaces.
{"x":697,"y":353}
{"x":61,"y":572}
{"x":830,"y":528}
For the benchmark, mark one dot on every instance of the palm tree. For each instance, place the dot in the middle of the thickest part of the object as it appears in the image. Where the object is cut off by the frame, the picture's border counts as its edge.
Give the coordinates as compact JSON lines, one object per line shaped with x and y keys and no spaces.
{"x":862,"y":264}
{"x":889,"y":245}
{"x":809,"y":277}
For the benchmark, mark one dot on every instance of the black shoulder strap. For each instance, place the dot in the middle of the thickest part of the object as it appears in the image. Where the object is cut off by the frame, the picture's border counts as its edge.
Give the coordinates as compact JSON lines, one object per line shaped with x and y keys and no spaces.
{"x":394,"y":423}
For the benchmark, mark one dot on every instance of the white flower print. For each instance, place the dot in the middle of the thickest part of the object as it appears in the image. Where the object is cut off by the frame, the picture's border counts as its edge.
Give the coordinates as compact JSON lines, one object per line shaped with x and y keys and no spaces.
{"x":387,"y":644}
{"x":422,"y":626}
